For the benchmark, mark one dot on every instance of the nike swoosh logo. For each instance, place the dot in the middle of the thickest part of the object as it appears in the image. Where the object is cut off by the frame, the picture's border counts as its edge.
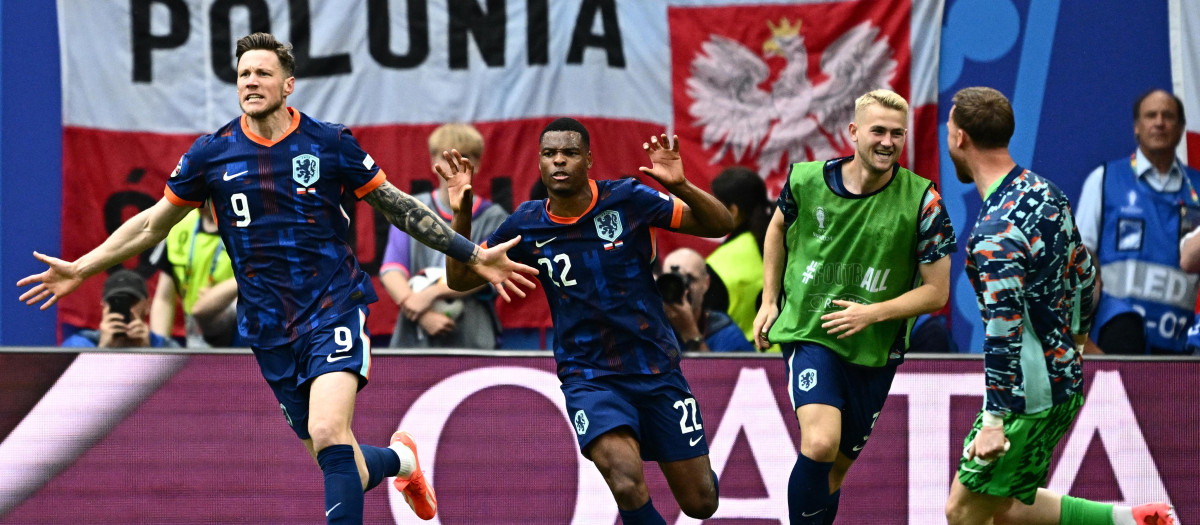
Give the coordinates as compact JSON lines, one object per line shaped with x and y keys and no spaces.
{"x":692,"y":442}
{"x":329,"y":358}
{"x":227,"y":176}
{"x":858,"y":448}
{"x":811,"y":514}
{"x":539,"y":244}
{"x":331,"y":509}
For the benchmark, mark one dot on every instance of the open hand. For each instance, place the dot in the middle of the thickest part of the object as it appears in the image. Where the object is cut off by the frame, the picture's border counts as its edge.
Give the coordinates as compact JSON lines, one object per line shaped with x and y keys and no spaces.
{"x":59,"y":280}
{"x":457,"y":176}
{"x":494,"y":266}
{"x":850,"y":320}
{"x":666,"y":164}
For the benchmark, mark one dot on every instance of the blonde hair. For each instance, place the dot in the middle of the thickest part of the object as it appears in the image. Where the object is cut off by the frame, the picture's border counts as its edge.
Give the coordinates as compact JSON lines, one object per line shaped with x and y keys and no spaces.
{"x":884,"y":97}
{"x":462,"y":137}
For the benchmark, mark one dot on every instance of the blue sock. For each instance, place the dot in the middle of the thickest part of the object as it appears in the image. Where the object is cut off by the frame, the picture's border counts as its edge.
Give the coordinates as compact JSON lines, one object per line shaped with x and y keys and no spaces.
{"x":832,"y":506}
{"x":381,"y":463}
{"x":646,"y":515}
{"x":808,"y":491}
{"x":343,"y":487}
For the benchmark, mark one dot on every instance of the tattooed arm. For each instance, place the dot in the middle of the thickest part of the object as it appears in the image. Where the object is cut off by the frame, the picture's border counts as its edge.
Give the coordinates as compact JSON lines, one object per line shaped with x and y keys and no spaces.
{"x":417,"y":220}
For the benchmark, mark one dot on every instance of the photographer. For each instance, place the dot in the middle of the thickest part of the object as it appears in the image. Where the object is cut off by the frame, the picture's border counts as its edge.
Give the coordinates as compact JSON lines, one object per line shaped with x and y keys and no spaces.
{"x":123,"y":319}
{"x":683,"y":284}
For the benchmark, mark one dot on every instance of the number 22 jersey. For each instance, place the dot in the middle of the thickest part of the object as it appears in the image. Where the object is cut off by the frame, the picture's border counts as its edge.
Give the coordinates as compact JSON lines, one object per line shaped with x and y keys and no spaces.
{"x":278,"y":208}
{"x":596,"y":270}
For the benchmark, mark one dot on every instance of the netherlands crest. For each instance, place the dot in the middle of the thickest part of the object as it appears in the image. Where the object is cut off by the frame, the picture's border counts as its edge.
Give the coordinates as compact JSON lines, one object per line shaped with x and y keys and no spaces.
{"x":581,"y":423}
{"x":608,"y":225}
{"x":306,"y":169}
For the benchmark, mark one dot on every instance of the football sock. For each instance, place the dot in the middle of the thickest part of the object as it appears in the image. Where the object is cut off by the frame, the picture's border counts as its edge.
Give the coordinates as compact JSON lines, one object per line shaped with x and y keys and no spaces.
{"x":646,"y":515}
{"x":343,"y":487}
{"x":408,"y":460}
{"x":1076,"y":511}
{"x":831,"y":507}
{"x":808,"y":491}
{"x":1123,"y":516}
{"x":381,"y":463}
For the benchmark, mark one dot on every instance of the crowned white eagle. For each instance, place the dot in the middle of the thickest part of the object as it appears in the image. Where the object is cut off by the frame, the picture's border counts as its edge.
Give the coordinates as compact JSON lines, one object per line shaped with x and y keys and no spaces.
{"x":795,"y":118}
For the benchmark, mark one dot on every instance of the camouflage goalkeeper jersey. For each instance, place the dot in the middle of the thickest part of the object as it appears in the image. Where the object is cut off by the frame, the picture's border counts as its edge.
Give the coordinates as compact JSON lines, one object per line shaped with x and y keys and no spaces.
{"x":1033,"y":280}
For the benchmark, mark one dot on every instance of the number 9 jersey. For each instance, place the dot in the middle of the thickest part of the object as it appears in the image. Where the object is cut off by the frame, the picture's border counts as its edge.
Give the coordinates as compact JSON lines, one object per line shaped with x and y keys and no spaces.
{"x":596,"y":270}
{"x":279,"y":213}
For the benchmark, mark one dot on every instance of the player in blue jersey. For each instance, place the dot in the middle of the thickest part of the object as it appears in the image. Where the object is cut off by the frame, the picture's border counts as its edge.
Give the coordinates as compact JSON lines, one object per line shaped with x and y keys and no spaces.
{"x":617,"y":356}
{"x":276,"y":178}
{"x":1034,"y":280}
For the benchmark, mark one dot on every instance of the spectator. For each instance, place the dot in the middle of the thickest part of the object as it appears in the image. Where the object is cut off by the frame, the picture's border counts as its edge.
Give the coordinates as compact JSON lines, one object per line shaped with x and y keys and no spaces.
{"x":431,"y":314}
{"x":1132,"y":214}
{"x":123,"y":317}
{"x":684,"y":283}
{"x":193,"y":260}
{"x":738,"y":261}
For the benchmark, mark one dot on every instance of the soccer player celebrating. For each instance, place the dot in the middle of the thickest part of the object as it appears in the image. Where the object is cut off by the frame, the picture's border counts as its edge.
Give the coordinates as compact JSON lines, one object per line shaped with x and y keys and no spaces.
{"x":275,"y":178}
{"x":617,"y":356}
{"x":1034,"y":280}
{"x":859,"y":247}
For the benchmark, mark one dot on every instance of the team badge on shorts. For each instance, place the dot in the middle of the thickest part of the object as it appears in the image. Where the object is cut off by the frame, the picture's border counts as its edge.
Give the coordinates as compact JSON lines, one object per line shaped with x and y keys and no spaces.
{"x":306,"y":169}
{"x":581,"y":423}
{"x":806,"y":380}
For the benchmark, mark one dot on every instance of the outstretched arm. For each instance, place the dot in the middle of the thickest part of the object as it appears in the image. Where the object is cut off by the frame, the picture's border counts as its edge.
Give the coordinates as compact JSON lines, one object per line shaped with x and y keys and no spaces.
{"x":135,"y":236}
{"x":492,"y":264}
{"x":704,"y":215}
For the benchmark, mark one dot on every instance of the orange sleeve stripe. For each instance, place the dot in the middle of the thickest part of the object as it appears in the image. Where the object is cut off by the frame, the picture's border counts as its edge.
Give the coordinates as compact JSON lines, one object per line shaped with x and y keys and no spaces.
{"x":375,"y":182}
{"x":676,"y":214}
{"x":176,"y":200}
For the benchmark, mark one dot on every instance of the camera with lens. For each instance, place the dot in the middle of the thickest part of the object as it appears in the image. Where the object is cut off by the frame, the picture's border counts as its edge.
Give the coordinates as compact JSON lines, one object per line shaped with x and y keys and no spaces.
{"x":122,"y":303}
{"x":673,"y":284}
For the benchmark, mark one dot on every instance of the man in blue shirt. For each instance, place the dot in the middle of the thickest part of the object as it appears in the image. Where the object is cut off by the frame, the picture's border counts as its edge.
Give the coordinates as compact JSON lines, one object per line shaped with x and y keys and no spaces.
{"x":276,"y":177}
{"x":617,"y":356}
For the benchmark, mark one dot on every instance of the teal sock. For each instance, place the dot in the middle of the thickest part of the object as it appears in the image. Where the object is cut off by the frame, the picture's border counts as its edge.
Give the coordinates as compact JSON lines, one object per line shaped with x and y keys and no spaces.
{"x":1076,"y":511}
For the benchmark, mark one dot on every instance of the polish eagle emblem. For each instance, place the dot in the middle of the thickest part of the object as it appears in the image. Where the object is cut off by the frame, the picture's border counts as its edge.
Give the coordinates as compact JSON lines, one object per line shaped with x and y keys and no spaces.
{"x":796,"y":120}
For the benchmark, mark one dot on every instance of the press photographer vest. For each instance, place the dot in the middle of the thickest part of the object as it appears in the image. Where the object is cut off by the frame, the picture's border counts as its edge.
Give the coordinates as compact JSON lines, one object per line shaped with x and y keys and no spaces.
{"x":1139,"y":251}
{"x":860,"y":249}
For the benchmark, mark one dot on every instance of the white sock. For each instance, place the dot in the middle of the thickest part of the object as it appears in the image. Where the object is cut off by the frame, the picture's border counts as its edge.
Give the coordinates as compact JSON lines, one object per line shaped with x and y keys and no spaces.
{"x":408,"y":460}
{"x":1123,"y":515}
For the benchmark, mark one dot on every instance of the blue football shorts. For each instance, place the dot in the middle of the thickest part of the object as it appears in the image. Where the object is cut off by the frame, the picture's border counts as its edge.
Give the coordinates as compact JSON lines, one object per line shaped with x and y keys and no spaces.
{"x":339,"y":345}
{"x":659,"y":409}
{"x":817,"y":375}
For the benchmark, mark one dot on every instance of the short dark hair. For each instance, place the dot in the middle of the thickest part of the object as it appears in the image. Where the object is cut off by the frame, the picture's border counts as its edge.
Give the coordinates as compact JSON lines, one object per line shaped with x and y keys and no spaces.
{"x":985,"y":115}
{"x":567,"y":124}
{"x":1137,"y":105}
{"x":268,"y":42}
